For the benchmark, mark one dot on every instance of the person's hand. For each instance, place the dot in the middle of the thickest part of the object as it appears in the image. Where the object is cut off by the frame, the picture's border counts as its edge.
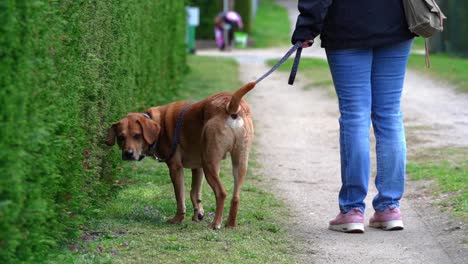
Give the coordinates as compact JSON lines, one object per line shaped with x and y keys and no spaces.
{"x":307,"y":43}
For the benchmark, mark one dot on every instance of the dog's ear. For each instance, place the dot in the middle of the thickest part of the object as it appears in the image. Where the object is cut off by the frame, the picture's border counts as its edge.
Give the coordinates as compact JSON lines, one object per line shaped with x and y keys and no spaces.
{"x":150,"y":130}
{"x":110,"y":141}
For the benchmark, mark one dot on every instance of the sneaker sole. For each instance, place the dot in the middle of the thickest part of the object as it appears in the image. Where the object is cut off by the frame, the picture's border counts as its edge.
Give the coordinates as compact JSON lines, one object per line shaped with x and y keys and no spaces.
{"x":389,"y":226}
{"x":348,"y":228}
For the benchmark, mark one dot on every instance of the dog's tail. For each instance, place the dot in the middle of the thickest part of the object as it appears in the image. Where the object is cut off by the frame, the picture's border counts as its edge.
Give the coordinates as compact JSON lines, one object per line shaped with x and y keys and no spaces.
{"x":233,"y":107}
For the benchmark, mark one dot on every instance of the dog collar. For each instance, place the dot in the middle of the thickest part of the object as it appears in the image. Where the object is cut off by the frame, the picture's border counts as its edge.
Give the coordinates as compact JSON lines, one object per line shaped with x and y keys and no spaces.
{"x":154,"y":151}
{"x":153,"y":148}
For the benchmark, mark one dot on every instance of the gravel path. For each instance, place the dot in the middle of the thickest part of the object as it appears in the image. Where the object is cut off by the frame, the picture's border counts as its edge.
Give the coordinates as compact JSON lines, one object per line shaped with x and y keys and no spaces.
{"x":297,"y":141}
{"x":297,"y":145}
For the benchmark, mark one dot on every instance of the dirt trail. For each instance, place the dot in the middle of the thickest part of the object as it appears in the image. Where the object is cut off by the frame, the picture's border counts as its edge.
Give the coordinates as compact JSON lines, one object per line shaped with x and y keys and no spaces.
{"x":297,"y":145}
{"x":297,"y":142}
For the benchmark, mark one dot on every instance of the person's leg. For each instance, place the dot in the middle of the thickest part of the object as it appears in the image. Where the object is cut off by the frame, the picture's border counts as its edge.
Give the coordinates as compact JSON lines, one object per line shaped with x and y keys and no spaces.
{"x":351,"y":72}
{"x":219,"y":37}
{"x":388,"y":73}
{"x":231,"y":33}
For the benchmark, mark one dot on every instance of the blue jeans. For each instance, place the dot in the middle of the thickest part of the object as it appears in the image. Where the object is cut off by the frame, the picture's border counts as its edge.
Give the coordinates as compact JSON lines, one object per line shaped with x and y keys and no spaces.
{"x":369,"y":83}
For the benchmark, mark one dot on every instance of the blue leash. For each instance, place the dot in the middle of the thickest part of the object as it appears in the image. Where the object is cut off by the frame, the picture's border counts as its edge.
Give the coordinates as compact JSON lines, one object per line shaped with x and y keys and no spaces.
{"x":176,"y":139}
{"x":292,"y":76}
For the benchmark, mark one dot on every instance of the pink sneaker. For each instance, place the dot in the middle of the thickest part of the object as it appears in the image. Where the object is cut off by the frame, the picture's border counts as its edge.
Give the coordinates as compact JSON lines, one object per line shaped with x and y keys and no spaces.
{"x":390,"y":219}
{"x":350,"y":222}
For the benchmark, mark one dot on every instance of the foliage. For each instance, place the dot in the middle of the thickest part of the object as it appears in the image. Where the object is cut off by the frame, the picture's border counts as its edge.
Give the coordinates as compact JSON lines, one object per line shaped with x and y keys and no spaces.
{"x":453,"y":39}
{"x":244,"y":8}
{"x":68,"y":69}
{"x":271,"y":25}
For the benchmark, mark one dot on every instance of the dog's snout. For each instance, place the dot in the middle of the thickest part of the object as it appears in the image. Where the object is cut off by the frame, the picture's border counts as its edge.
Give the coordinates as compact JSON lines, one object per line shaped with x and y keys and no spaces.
{"x":128,"y":154}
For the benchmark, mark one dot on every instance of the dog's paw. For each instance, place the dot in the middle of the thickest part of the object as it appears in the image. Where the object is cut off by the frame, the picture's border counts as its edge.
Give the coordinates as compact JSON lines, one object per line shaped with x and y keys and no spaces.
{"x":197,"y":217}
{"x":201,"y":216}
{"x":176,"y":219}
{"x":230,"y":225}
{"x":215,"y":226}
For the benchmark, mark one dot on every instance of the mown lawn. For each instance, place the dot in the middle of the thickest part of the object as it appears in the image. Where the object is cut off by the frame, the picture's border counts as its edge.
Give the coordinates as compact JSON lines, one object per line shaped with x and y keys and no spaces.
{"x":316,"y":71}
{"x":132,"y":228}
{"x":418,"y":43}
{"x":449,"y":169}
{"x":445,"y":67}
{"x":271,"y":25}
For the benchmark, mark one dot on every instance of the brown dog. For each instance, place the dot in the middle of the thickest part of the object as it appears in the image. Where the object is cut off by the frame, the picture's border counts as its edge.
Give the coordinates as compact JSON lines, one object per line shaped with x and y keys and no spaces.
{"x":196,"y":136}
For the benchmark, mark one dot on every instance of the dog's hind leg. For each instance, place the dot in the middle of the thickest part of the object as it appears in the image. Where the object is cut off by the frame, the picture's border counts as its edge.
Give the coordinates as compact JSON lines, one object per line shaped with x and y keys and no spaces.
{"x":177,"y":177}
{"x":195,"y":195}
{"x":215,"y":142}
{"x":211,"y":170}
{"x":239,"y":171}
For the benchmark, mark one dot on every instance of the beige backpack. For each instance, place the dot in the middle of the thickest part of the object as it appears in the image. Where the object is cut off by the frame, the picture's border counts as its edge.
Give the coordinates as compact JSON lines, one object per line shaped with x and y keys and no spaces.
{"x":424,"y":19}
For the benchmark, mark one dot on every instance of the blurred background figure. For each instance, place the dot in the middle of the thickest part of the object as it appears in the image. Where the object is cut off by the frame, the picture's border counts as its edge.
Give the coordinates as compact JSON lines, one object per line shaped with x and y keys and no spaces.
{"x":225,"y":24}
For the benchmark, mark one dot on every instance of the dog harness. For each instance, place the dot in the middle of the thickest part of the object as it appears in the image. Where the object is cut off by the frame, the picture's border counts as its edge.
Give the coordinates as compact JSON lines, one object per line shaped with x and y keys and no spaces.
{"x":175,"y":139}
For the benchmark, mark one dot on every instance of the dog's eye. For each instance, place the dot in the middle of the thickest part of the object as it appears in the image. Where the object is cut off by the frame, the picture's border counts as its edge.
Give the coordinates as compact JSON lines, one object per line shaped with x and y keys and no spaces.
{"x":137,"y":136}
{"x":121,"y":138}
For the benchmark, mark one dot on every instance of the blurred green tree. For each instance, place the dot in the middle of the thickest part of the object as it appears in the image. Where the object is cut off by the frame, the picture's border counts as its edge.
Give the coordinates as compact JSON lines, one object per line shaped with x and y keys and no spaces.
{"x":454,"y":38}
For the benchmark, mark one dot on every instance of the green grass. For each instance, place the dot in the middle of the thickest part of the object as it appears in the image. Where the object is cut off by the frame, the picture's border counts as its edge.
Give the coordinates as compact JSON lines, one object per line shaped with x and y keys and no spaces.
{"x":443,"y":66}
{"x":133,"y":228}
{"x":271,"y":26}
{"x":207,"y":76}
{"x":418,"y":43}
{"x":316,"y":71}
{"x":449,"y":169}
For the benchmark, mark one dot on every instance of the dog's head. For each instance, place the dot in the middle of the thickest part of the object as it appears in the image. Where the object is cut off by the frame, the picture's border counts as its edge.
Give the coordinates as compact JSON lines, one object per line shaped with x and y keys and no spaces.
{"x":134,"y":134}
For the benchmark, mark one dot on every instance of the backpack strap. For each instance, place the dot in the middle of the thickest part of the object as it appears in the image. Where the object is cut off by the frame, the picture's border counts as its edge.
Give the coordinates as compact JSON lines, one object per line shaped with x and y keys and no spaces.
{"x":426,"y":53}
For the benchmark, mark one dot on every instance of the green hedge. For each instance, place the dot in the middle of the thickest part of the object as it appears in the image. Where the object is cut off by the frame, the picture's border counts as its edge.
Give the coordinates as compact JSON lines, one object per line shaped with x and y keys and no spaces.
{"x":67,"y":70}
{"x":244,"y":8}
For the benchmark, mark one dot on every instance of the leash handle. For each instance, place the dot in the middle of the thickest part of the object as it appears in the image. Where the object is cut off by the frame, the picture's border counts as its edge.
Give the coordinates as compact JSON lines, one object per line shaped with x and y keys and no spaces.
{"x":295,"y":66}
{"x":296,"y":47}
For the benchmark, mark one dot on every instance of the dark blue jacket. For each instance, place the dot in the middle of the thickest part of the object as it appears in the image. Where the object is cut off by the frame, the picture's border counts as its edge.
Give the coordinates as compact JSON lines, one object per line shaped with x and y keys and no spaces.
{"x":344,"y":24}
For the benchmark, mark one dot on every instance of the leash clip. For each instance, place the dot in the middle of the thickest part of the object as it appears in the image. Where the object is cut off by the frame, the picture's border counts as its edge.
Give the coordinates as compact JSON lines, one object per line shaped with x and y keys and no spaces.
{"x":158,"y":159}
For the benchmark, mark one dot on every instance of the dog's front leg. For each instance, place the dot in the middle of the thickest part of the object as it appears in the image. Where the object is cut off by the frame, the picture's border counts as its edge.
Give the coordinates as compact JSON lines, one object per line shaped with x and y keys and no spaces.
{"x":177,"y":176}
{"x":196,"y":193}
